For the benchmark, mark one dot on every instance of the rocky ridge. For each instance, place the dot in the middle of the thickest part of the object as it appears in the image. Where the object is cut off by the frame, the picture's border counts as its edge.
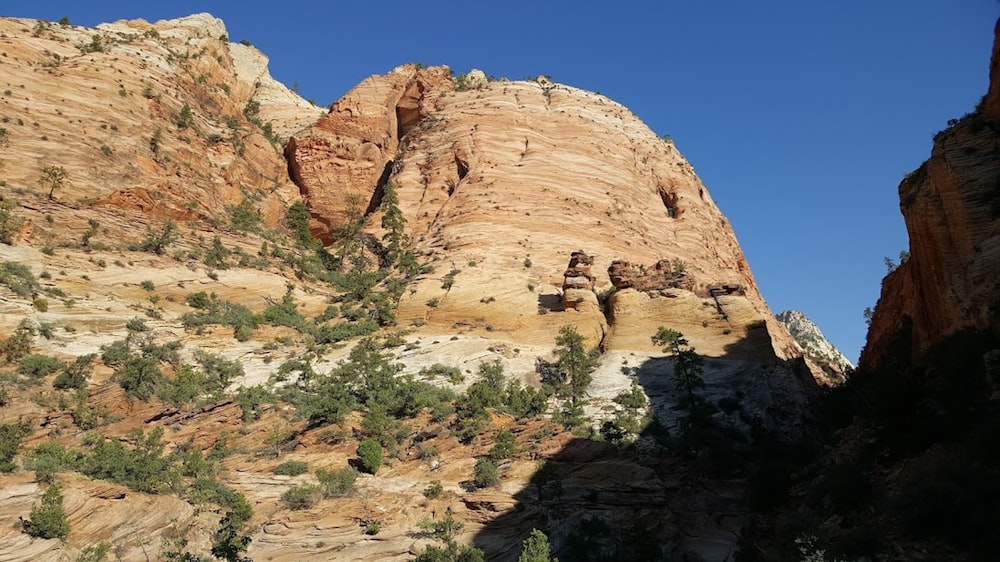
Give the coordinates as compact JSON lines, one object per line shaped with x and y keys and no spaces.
{"x":816,"y":347}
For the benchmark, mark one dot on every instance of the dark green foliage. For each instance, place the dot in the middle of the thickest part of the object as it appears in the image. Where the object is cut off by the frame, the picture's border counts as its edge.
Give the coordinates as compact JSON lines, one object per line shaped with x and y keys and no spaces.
{"x":19,"y":343}
{"x":49,"y":458}
{"x":485,"y":473}
{"x":37,"y":366}
{"x":445,"y":530}
{"x":451,"y":374}
{"x":184,"y":118}
{"x":136,"y":325}
{"x":214,"y":311}
{"x":369,"y":456}
{"x":229,"y":543}
{"x":244,"y":217}
{"x":19,"y":279}
{"x":48,"y":519}
{"x":10,"y":439}
{"x":285,"y":313}
{"x":343,"y":331}
{"x":297,"y":220}
{"x":433,"y":490}
{"x":504,"y":446}
{"x":250,"y":399}
{"x":394,"y":223}
{"x":217,"y":255}
{"x":291,"y":468}
{"x":300,"y":497}
{"x":74,"y":375}
{"x":156,"y":242}
{"x":142,"y":467}
{"x":336,"y":483}
{"x":535,"y":548}
{"x":210,"y":490}
{"x":575,"y":362}
{"x":687,"y":364}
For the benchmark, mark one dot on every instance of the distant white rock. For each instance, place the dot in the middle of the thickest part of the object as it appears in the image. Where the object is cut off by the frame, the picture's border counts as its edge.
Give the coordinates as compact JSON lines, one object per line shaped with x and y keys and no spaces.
{"x":814,"y":344}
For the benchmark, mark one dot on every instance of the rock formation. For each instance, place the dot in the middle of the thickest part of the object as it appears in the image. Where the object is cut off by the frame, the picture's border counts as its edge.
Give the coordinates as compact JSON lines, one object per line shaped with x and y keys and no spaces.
{"x":578,"y":281}
{"x":487,"y":193}
{"x":499,"y":183}
{"x":816,"y":347}
{"x":951,"y":205}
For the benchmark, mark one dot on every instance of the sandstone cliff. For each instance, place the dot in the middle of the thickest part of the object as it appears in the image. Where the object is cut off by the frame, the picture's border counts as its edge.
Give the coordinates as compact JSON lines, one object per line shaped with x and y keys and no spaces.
{"x":501,"y":182}
{"x":951,"y":205}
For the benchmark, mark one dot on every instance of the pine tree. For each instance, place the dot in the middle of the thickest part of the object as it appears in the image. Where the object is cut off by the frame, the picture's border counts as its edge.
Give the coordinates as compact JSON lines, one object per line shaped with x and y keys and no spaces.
{"x":576,"y":363}
{"x":687,"y":363}
{"x":48,"y":519}
{"x":535,"y":548}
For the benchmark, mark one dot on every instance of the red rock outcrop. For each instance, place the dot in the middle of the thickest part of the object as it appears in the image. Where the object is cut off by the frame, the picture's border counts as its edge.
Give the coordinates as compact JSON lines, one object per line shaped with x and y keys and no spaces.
{"x":951,"y":205}
{"x":339,"y":162}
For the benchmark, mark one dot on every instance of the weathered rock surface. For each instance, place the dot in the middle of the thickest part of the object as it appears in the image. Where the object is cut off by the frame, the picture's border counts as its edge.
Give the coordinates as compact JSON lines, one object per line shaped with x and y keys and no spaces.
{"x":340,"y":162}
{"x":951,"y":205}
{"x":817,"y":348}
{"x":501,"y":182}
{"x":111,"y":112}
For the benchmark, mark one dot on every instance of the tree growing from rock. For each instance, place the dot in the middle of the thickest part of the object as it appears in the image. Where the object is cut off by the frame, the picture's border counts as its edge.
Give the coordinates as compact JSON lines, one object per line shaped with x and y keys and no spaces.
{"x":53,"y":178}
{"x":576,"y":363}
{"x":687,"y":363}
{"x":48,"y":519}
{"x":536,"y":548}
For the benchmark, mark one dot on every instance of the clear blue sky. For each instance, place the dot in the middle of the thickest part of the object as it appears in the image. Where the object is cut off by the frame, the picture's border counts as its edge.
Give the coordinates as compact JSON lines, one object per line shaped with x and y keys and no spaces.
{"x":801,"y":117}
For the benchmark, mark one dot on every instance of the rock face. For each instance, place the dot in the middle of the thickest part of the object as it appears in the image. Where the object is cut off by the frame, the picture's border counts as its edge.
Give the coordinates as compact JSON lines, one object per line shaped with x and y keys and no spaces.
{"x":145,"y":118}
{"x":951,"y":205}
{"x":816,"y":347}
{"x":502,"y":180}
{"x":340,"y":162}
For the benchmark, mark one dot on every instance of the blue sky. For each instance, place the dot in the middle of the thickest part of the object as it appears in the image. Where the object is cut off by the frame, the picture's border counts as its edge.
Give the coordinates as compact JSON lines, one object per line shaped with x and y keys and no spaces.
{"x":801,"y":117}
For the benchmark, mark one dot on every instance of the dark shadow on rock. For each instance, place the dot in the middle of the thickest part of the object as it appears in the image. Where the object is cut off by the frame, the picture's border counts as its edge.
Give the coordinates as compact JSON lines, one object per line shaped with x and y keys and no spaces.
{"x":551,"y":302}
{"x":680,"y":490}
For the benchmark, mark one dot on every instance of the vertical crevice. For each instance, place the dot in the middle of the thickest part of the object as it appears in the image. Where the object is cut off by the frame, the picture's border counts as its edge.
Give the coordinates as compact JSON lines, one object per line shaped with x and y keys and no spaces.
{"x":376,"y":201}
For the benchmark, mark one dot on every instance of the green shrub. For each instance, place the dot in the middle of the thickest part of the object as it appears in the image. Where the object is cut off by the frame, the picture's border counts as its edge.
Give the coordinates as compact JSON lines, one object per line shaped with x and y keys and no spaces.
{"x":485,"y":474}
{"x":250,"y":399}
{"x":41,"y":304}
{"x":37,"y":366}
{"x":336,"y":483}
{"x":10,"y":439}
{"x":48,"y":519}
{"x":291,"y":468}
{"x":10,"y":224}
{"x":300,"y":497}
{"x":19,"y":343}
{"x":370,"y":456}
{"x":143,"y":467}
{"x":48,"y":459}
{"x":74,"y":375}
{"x":156,"y":242}
{"x":434,"y":490}
{"x":18,"y":278}
{"x":505,"y":446}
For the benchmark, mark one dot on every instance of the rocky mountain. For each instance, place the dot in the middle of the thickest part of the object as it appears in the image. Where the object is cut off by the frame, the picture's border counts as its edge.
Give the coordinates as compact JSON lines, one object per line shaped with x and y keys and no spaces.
{"x":951,"y":206}
{"x":188,"y":247}
{"x":816,"y":347}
